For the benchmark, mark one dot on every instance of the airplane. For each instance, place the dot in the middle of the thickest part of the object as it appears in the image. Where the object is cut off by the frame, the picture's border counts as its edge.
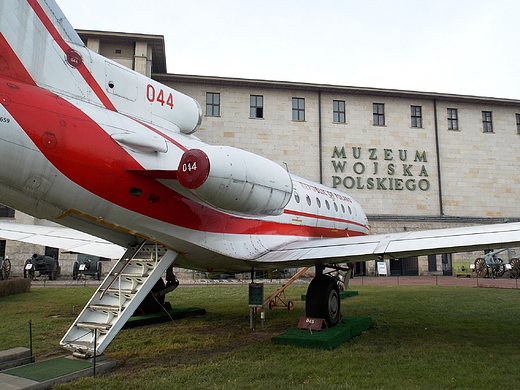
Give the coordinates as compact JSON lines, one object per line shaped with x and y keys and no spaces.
{"x":112,"y":156}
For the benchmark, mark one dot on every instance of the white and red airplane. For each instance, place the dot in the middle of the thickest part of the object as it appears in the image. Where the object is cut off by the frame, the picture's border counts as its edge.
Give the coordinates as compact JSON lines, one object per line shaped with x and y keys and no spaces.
{"x":103,"y":150}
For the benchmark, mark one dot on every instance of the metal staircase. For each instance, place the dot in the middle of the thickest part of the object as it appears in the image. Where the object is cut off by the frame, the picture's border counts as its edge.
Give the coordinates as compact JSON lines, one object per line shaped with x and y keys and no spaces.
{"x":116,"y":299}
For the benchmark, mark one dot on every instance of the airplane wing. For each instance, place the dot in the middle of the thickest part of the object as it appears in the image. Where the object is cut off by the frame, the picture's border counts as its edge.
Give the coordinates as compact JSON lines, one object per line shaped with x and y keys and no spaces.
{"x":396,"y":245}
{"x":304,"y":253}
{"x":60,"y":237}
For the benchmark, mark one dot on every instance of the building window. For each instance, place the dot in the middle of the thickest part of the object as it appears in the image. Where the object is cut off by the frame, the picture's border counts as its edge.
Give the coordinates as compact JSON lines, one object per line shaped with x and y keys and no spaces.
{"x":6,"y":212}
{"x":256,"y":106}
{"x":517,"y":123}
{"x":338,"y":111}
{"x":453,"y":119}
{"x":416,"y":116}
{"x":487,"y":121}
{"x":298,"y":109}
{"x":212,"y":104}
{"x":379,"y":114}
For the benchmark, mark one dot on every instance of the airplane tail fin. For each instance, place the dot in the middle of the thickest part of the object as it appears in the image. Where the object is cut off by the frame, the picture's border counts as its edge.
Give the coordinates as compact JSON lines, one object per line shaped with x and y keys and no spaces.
{"x":39,"y":46}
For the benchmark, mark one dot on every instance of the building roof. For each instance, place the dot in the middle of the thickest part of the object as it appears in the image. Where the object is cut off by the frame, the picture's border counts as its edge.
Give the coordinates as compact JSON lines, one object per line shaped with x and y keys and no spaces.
{"x":296,"y":86}
{"x":160,"y":74}
{"x":156,"y":42}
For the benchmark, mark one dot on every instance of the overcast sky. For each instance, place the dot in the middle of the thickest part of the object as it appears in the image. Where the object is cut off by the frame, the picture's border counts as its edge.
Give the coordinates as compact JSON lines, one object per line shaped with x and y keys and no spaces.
{"x":453,"y":46}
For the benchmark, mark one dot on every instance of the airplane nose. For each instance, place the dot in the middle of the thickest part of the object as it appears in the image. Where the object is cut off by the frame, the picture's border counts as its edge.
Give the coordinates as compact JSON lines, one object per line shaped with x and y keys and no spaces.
{"x":193,"y":169}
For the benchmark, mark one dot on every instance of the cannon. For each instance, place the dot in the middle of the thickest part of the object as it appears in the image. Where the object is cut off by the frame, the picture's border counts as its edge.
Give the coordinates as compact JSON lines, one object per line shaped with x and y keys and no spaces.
{"x":5,"y":268}
{"x":490,"y":265}
{"x":88,"y":266}
{"x":44,"y":265}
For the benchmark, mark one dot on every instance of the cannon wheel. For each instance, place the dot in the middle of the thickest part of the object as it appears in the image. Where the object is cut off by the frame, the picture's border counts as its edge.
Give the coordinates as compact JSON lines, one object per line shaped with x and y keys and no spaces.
{"x":515,"y":267}
{"x":499,"y":268}
{"x":481,"y":268}
{"x":54,"y":272}
{"x":75,"y":268}
{"x":98,"y":271}
{"x":6,"y":269}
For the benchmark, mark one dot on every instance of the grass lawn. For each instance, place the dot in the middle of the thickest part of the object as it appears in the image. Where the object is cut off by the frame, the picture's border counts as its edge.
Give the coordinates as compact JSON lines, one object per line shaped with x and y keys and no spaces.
{"x":431,"y":337}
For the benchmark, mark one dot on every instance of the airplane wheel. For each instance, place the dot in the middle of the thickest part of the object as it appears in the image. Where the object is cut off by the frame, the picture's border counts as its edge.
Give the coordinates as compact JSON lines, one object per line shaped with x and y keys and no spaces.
{"x":323,"y":299}
{"x":481,"y":268}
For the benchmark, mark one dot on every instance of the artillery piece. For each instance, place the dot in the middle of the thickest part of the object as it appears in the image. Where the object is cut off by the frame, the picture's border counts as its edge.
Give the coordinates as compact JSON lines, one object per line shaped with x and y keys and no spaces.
{"x":44,"y":265}
{"x":492,"y":266}
{"x":87,"y":265}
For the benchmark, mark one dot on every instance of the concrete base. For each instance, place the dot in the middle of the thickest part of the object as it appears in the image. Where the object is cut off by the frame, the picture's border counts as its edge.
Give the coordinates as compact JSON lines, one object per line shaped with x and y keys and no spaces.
{"x":14,"y":357}
{"x":328,"y":338}
{"x":46,"y":373}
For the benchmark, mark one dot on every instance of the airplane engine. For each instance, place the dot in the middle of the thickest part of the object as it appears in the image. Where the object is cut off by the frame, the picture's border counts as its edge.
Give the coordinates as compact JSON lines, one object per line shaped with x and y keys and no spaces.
{"x":235,"y":180}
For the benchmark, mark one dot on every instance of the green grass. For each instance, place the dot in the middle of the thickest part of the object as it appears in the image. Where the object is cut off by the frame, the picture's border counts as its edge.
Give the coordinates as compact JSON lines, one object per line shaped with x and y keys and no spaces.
{"x":424,"y":338}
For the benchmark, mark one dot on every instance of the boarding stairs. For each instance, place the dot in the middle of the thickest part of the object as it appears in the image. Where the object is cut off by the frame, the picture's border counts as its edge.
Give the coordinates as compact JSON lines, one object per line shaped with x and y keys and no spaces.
{"x":117,"y":298}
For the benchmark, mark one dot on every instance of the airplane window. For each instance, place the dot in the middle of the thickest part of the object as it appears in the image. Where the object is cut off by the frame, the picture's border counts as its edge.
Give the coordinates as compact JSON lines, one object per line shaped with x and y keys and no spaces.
{"x":327,"y":204}
{"x":335,"y":206}
{"x":349,"y":210}
{"x":318,"y":202}
{"x":308,"y":198}
{"x":296,"y":197}
{"x":343,"y":209}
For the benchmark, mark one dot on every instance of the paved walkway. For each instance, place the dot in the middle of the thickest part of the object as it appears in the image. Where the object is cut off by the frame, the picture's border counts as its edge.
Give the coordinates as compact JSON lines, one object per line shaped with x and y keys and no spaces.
{"x":434,"y":281}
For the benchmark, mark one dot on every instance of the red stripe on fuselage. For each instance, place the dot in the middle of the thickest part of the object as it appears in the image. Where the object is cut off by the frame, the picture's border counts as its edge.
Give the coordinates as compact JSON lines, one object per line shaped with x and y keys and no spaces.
{"x":81,"y":150}
{"x":82,"y":69}
{"x":10,"y":64}
{"x":322,"y":217}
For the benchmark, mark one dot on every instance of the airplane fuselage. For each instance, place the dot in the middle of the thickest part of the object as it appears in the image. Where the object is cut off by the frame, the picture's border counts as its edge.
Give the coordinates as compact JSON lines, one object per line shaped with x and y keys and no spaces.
{"x":94,"y":169}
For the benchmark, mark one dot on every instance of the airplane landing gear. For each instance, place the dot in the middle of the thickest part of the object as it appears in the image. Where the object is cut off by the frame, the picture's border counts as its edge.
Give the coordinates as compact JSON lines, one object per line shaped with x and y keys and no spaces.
{"x":323,"y":300}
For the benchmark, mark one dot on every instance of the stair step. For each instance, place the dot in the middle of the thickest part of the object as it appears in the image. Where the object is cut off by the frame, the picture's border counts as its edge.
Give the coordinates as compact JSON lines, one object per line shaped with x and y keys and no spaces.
{"x":82,"y":344}
{"x":111,"y":308}
{"x":133,"y":276}
{"x":94,"y":325}
{"x":122,"y":291}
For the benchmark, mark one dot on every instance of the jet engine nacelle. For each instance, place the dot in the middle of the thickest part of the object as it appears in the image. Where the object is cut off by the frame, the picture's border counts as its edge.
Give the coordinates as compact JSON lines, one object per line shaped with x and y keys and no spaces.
{"x":235,"y":180}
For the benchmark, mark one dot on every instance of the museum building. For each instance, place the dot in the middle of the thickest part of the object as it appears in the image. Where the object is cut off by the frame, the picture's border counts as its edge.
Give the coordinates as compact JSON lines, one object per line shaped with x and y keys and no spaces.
{"x":414,"y":160}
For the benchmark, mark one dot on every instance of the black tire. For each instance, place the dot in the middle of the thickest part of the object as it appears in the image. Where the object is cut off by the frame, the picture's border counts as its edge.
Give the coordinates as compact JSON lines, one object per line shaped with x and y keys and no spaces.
{"x":323,"y":300}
